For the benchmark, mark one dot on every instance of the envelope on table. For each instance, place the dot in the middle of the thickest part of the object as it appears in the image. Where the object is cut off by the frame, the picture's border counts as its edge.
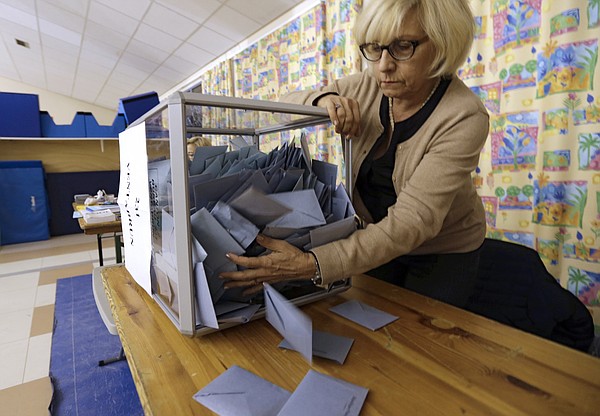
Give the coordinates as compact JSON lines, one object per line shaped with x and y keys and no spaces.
{"x":291,"y":323}
{"x":322,"y":395}
{"x":363,"y":314}
{"x":326,"y":345}
{"x":238,"y":392}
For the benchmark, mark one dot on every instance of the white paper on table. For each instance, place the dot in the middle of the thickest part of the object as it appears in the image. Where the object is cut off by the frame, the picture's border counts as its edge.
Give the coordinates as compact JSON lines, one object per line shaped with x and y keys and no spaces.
{"x":134,"y":203}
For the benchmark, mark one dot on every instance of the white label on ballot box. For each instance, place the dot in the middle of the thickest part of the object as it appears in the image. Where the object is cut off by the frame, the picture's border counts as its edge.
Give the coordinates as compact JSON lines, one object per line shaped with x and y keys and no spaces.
{"x":134,"y":200}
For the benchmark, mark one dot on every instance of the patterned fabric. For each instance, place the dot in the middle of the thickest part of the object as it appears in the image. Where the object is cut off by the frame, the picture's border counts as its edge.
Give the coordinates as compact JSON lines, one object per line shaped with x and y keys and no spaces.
{"x":534,"y":65}
{"x":307,"y":52}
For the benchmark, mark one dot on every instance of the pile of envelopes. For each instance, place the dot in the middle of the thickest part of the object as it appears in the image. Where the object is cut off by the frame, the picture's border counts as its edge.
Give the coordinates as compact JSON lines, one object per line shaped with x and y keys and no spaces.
{"x":235,"y":195}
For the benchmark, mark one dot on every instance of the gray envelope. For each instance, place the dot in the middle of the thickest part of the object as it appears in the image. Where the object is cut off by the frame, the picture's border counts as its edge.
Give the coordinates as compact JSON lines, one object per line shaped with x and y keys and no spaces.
{"x":216,"y":242}
{"x":326,"y":345}
{"x":363,"y":314}
{"x":322,"y":395}
{"x":258,"y":207}
{"x":242,"y":230}
{"x":238,"y":392}
{"x":306,"y":211}
{"x":293,"y":324}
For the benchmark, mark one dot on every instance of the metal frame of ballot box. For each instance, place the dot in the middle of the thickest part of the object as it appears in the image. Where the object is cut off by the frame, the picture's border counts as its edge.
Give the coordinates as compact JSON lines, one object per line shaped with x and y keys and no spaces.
{"x":167,"y":127}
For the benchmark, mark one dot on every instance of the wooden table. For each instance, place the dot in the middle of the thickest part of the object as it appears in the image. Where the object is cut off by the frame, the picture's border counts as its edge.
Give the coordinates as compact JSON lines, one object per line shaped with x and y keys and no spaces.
{"x":434,"y":360}
{"x":99,"y":229}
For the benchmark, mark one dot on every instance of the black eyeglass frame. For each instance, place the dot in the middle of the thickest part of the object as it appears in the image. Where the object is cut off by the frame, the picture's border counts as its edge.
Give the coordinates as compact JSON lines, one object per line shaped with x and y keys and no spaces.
{"x":414,"y":44}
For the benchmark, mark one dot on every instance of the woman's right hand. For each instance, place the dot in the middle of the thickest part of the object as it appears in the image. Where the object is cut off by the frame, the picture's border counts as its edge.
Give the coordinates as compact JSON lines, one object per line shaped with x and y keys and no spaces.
{"x":344,"y":114}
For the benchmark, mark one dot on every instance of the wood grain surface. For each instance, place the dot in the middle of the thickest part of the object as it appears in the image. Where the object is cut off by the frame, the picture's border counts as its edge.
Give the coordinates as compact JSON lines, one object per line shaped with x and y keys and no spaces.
{"x":434,"y":360}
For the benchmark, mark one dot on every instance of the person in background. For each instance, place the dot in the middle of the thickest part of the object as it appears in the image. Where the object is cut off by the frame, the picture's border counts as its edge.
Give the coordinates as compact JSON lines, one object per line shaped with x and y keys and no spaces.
{"x":194,"y":142}
{"x":416,"y":132}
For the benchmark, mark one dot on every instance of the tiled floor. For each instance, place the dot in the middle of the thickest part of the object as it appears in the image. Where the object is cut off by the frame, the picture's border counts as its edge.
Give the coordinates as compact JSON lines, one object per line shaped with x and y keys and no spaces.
{"x":28,"y":274}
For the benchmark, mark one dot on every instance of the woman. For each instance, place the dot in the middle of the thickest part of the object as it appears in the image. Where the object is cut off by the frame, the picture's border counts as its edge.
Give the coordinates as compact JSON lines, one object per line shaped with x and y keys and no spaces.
{"x":416,"y":132}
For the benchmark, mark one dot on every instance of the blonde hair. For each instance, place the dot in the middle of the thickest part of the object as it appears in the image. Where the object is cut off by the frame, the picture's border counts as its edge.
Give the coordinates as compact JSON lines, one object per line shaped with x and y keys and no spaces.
{"x":200,"y":141}
{"x":449,"y":24}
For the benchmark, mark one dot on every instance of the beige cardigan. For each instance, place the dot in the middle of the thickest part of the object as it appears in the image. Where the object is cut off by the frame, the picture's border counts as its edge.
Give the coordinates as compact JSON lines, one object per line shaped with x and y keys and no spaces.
{"x":437,"y":209}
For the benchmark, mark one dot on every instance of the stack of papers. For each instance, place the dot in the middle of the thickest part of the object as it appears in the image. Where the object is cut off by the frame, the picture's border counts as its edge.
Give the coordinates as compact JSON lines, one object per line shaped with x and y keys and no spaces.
{"x":112,"y":207}
{"x":82,"y":211}
{"x":99,"y":216}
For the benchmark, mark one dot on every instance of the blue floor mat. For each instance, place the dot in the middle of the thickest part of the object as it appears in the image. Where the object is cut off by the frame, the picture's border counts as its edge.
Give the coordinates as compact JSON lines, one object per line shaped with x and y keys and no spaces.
{"x":79,"y":341}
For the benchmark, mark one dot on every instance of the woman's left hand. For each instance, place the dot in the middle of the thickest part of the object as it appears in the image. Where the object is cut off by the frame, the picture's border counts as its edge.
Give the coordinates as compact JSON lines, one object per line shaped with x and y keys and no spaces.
{"x":285,"y":262}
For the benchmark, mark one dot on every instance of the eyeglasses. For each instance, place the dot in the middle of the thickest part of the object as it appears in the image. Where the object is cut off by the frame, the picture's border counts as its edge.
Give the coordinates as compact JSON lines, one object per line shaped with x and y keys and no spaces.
{"x":400,"y":50}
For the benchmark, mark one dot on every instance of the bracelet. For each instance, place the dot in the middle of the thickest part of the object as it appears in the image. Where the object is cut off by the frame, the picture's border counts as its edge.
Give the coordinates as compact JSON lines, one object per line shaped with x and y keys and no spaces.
{"x":317,"y":279}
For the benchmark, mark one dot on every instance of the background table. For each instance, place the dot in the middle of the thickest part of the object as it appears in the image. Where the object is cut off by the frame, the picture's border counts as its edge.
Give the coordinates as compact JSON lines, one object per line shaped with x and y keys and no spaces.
{"x":434,"y":360}
{"x":99,"y":229}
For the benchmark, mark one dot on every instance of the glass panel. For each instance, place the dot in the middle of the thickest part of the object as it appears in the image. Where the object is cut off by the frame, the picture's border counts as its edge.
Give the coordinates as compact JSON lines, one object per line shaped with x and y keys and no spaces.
{"x":227,"y":118}
{"x":163,"y":269}
{"x":225,"y":121}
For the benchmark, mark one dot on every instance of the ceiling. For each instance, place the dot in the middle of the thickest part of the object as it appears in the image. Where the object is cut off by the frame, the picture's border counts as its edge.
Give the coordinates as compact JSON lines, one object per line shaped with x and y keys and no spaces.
{"x":98,"y":51}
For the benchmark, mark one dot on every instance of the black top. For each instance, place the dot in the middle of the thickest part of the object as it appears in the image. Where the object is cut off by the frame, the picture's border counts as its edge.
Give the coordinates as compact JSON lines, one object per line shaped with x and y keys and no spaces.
{"x":374,"y":181}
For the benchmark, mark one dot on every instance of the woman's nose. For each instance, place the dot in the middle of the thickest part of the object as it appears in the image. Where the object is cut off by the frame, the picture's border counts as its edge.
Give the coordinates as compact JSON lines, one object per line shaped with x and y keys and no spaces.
{"x":386,"y":62}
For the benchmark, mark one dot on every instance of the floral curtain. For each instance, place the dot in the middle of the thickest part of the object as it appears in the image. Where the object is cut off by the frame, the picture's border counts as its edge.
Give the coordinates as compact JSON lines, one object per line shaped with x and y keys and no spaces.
{"x":305,"y":53}
{"x":534,"y":65}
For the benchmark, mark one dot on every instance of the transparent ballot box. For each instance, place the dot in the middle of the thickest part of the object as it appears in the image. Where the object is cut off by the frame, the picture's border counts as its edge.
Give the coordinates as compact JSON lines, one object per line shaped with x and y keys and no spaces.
{"x":180,"y":216}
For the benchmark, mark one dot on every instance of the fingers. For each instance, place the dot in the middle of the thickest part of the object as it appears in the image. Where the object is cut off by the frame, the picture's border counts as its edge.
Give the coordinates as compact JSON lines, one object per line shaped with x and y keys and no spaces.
{"x":285,"y":262}
{"x":276,"y":245}
{"x":348,"y":115}
{"x":344,"y":113}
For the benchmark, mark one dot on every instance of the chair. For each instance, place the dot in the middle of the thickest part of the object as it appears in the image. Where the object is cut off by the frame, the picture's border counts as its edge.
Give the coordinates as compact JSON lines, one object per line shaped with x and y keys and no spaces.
{"x":105,"y":313}
{"x":513,"y":287}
